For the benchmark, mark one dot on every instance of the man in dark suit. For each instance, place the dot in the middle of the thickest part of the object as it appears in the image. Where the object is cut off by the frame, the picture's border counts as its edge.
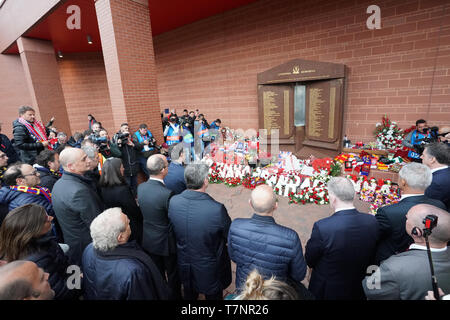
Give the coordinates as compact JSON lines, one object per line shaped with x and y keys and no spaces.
{"x":414,"y":179}
{"x":406,"y":276}
{"x":436,"y":156}
{"x":158,"y":236}
{"x":341,"y":246}
{"x":201,"y":227}
{"x":174,"y":180}
{"x":75,"y":202}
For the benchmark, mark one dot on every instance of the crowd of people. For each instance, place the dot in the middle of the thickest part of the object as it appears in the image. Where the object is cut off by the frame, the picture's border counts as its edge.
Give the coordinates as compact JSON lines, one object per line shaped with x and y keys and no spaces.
{"x":76,"y":225}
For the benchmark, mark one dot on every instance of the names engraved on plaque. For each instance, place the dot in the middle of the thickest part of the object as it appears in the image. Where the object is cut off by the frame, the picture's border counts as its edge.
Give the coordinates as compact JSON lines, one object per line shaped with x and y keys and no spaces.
{"x":315,"y":114}
{"x":271,"y":114}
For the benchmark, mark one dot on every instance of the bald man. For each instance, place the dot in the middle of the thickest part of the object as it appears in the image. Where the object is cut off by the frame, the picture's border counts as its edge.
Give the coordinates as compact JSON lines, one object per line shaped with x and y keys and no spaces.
{"x":24,"y":280}
{"x":406,"y":276}
{"x":260,"y":243}
{"x":158,"y":237}
{"x":75,"y":201}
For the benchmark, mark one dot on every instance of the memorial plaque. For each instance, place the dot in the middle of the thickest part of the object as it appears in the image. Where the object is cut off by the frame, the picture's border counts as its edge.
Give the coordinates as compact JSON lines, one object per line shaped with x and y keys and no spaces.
{"x":319,"y":130}
{"x":324,"y":110}
{"x":277,"y":113}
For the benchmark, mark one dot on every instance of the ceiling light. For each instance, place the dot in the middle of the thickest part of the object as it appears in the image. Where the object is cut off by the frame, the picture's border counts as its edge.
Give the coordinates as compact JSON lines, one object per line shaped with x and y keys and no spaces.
{"x":89,"y":39}
{"x":60,"y":54}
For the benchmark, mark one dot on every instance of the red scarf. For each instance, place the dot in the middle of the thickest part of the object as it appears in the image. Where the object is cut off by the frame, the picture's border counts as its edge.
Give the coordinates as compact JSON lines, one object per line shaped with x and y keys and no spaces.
{"x":37,"y":130}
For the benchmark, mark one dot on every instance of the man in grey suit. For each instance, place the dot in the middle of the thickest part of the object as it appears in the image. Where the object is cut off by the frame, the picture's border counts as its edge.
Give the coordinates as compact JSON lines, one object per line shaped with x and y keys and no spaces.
{"x":406,"y":276}
{"x":75,"y":201}
{"x":158,"y":236}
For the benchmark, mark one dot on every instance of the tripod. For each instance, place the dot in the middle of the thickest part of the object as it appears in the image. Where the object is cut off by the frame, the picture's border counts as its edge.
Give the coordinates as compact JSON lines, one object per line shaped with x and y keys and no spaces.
{"x":430,"y":222}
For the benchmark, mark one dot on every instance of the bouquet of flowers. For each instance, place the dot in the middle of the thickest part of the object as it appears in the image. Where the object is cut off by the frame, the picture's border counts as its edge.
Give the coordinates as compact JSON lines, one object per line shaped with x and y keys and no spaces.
{"x":250,"y":182}
{"x":232,"y":182}
{"x":388,"y":134}
{"x":215,"y":178}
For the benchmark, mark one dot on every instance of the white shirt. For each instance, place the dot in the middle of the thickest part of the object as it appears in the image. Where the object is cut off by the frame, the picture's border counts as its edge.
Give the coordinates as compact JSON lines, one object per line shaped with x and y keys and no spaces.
{"x":437,"y":169}
{"x":404,"y":196}
{"x":156,"y":179}
{"x":345,"y":208}
{"x":419,"y":247}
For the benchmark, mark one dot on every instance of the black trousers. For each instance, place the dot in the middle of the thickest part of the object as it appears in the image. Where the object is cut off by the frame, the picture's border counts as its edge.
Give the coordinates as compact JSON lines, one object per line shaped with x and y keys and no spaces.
{"x":168,"y":265}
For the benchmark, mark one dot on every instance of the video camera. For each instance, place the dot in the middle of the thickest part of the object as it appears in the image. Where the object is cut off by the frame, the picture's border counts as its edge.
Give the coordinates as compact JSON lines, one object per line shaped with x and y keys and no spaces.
{"x":434,"y":137}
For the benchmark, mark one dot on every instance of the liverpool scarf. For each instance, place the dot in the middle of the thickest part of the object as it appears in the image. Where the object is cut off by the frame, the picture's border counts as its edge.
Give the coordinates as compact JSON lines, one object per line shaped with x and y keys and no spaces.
{"x":37,"y":130}
{"x":45,"y":192}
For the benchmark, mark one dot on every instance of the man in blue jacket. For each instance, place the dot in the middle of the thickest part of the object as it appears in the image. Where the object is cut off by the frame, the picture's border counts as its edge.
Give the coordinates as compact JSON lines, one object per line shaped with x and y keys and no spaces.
{"x":174,"y":179}
{"x":201,"y":227}
{"x":116,"y":269}
{"x":341,"y":246}
{"x":436,"y":156}
{"x":260,"y":243}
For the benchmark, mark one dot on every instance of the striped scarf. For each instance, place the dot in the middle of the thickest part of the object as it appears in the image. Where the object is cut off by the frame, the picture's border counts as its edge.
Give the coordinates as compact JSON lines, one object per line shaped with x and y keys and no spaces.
{"x":45,"y":192}
{"x":37,"y":130}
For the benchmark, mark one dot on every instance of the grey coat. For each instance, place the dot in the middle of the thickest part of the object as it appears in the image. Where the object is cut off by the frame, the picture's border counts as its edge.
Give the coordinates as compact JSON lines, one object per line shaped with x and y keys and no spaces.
{"x":76,"y":204}
{"x":407,"y":276}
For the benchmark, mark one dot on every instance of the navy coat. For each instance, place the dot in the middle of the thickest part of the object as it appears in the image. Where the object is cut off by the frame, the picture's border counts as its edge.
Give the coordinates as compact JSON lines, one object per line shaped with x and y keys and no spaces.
{"x":260,"y":243}
{"x":123,"y":278}
{"x":440,"y":187}
{"x":48,"y":255}
{"x":391,"y":220}
{"x":201,"y":227}
{"x":175,"y":178}
{"x":339,"y":251}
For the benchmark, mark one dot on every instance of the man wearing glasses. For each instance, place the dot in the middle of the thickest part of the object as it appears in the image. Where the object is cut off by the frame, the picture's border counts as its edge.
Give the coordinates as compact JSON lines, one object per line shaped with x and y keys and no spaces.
{"x":22,"y":187}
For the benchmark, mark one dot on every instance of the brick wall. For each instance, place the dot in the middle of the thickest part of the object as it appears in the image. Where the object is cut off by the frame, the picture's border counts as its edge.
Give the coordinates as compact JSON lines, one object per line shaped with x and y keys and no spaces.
{"x":13,"y":91}
{"x":83,"y":79}
{"x":212,"y":64}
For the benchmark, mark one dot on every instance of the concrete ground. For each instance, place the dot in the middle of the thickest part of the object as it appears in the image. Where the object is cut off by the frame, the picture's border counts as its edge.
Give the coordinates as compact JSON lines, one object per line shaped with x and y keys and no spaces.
{"x":301,"y":218}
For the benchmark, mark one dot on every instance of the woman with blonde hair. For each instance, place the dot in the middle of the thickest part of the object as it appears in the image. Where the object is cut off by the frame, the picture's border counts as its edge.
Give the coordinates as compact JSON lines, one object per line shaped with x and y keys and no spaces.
{"x":256,"y":288}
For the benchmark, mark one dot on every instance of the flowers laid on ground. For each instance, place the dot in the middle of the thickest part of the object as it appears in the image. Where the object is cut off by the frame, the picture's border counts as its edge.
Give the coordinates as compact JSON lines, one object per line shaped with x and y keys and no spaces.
{"x":388,"y":134}
{"x":304,"y":186}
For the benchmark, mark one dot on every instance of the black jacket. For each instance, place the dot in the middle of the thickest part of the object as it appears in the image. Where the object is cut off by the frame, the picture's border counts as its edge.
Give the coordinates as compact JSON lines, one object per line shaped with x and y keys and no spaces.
{"x":391,"y":219}
{"x":124,"y":273}
{"x":121,"y":196}
{"x":158,"y":236}
{"x":76,"y":203}
{"x":130,"y":158}
{"x":25,"y":143}
{"x":7,"y":147}
{"x":48,"y":255}
{"x":48,"y":178}
{"x":201,"y":227}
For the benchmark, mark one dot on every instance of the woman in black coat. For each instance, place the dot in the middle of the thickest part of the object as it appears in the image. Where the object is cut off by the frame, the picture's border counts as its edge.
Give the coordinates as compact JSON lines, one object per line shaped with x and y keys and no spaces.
{"x":26,"y":235}
{"x":117,"y":193}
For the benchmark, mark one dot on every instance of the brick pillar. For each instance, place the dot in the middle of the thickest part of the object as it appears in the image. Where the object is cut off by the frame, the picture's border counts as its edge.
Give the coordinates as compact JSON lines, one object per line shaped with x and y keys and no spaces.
{"x":42,"y":76}
{"x":127,"y":45}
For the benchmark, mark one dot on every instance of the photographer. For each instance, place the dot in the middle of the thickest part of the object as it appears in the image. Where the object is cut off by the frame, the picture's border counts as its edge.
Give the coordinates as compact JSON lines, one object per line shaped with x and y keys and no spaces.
{"x":130,"y":156}
{"x":144,"y":137}
{"x":105,"y":146}
{"x":172,"y":131}
{"x":416,"y":139}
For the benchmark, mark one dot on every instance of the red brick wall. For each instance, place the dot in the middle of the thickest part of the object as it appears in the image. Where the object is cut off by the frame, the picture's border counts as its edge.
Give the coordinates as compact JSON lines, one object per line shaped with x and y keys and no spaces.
{"x":125,"y":31}
{"x":212,"y":64}
{"x":83,"y":79}
{"x":13,"y":91}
